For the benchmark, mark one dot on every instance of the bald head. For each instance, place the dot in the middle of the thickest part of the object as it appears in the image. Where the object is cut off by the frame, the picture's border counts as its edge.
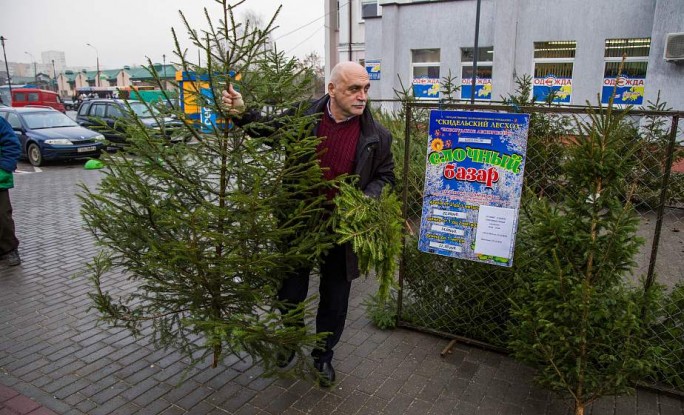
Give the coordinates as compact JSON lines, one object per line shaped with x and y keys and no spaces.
{"x":345,"y":69}
{"x":348,"y":90}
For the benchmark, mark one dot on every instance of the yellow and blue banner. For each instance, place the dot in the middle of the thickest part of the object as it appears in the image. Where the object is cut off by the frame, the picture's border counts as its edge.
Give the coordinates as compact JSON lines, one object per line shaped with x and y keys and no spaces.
{"x":197,"y":99}
{"x":425,"y":87}
{"x":483,"y":88}
{"x":629,"y":91}
{"x":562,"y":87}
{"x":373,"y":68}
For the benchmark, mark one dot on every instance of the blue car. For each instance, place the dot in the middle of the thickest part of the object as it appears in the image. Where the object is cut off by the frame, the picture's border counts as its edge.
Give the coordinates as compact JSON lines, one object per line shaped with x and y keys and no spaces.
{"x":47,"y":134}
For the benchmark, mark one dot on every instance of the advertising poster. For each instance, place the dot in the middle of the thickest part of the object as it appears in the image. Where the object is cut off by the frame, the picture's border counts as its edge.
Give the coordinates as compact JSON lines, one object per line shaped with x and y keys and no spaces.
{"x":630,"y":91}
{"x":541,"y":88}
{"x":373,"y":69}
{"x":196,"y":98}
{"x":483,"y":88}
{"x":207,"y":115}
{"x":426,"y":87}
{"x":473,"y":181}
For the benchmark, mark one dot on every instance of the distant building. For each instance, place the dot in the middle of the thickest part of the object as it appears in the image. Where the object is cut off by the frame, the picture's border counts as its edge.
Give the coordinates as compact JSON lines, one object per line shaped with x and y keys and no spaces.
{"x":58,"y":57}
{"x":69,"y":81}
{"x":572,"y":47}
{"x":71,"y":78}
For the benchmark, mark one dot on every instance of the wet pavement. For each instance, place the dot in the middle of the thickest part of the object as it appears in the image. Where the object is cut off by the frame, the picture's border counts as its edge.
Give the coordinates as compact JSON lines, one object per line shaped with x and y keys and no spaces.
{"x":56,"y":359}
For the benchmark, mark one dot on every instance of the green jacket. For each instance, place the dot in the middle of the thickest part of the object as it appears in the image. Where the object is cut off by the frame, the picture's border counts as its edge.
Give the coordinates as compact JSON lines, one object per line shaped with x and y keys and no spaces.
{"x":10,"y":150}
{"x":6,"y":180}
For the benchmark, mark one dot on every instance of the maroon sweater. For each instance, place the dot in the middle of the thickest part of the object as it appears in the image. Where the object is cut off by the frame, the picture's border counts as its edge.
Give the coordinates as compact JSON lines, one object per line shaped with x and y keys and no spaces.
{"x":338,"y":148}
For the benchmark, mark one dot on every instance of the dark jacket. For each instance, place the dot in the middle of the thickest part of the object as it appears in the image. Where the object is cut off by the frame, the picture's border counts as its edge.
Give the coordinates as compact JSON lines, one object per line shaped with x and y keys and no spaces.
{"x":10,"y":150}
{"x":373,"y":162}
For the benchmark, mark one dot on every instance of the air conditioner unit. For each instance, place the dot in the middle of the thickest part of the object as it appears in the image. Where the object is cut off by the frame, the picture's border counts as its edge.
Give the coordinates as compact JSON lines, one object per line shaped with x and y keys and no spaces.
{"x":674,"y":47}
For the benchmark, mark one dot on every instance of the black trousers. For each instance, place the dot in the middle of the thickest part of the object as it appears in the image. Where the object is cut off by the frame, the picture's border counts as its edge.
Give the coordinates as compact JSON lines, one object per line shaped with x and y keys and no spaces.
{"x":333,"y":303}
{"x":8,"y":239}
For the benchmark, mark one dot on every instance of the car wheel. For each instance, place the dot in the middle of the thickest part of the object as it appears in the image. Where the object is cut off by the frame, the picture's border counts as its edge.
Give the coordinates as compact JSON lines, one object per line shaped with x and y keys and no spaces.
{"x":34,"y":155}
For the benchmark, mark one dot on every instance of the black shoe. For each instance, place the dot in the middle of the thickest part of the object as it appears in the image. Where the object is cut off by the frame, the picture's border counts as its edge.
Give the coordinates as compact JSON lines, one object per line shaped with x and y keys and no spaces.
{"x":12,"y":258}
{"x":326,"y":372}
{"x":282,"y":359}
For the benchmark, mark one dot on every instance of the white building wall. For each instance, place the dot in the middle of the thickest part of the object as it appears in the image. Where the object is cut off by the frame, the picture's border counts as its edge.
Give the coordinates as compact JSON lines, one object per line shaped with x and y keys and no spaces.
{"x":338,"y":27}
{"x":587,"y":22}
{"x":444,"y":25}
{"x":506,"y":27}
{"x":512,"y":27}
{"x":357,"y":50}
{"x":669,"y":76}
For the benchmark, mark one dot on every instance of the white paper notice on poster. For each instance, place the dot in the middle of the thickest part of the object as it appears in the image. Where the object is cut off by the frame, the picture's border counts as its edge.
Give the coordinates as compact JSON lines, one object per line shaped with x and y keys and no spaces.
{"x":494,"y":235}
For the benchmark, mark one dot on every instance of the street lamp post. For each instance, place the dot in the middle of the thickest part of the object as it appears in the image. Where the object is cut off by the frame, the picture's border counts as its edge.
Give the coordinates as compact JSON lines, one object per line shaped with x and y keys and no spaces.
{"x":54,"y":75}
{"x":97,"y":56}
{"x":35,"y":72}
{"x":9,"y":79}
{"x":165,"y":84}
{"x":476,"y":52}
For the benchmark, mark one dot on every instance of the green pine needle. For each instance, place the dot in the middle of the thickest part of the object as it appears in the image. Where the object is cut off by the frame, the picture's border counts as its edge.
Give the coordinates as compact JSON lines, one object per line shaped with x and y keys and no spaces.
{"x":374,"y":228}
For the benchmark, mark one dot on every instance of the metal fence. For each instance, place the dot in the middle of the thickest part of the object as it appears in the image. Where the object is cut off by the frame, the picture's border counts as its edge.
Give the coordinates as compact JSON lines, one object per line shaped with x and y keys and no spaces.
{"x":469,"y":301}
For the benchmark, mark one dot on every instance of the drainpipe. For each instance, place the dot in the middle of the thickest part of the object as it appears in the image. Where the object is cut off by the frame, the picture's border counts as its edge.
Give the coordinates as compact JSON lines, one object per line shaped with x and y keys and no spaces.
{"x":350,"y":29}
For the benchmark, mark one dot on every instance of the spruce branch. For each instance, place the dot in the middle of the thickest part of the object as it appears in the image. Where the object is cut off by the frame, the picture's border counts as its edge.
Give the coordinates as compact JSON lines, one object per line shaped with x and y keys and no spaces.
{"x":374,"y":228}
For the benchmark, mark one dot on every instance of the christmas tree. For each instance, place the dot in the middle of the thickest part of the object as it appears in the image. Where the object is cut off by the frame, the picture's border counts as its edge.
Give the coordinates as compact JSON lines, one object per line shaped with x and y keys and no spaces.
{"x":575,"y":318}
{"x":206,"y":229}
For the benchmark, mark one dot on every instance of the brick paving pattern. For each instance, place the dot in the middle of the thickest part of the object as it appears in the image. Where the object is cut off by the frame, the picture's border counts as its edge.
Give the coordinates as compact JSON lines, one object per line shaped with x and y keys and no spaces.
{"x":56,"y":359}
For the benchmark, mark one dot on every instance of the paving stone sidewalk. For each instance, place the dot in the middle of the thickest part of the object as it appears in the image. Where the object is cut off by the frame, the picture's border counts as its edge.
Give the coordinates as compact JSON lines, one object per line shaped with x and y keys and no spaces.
{"x":56,"y":359}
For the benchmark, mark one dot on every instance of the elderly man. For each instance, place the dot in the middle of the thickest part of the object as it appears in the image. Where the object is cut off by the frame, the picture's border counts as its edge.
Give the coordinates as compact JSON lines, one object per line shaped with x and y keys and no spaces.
{"x":353,"y":143}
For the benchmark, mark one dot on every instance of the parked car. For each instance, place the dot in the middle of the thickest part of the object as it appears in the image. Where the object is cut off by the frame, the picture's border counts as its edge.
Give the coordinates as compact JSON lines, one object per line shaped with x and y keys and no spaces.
{"x":110,"y":116}
{"x":25,"y":97}
{"x":47,"y":134}
{"x":69,"y":104}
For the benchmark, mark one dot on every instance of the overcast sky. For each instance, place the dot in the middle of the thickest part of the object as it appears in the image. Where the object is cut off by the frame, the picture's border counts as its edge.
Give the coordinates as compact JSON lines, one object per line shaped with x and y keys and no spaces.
{"x":125,"y":31}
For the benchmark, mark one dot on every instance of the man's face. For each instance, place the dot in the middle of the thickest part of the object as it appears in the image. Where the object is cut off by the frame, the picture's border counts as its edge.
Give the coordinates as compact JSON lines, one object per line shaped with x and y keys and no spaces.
{"x":349,"y":95}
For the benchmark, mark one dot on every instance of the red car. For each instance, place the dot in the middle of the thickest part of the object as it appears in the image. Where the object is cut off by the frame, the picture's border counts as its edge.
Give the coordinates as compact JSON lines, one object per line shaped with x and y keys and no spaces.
{"x":34,"y":97}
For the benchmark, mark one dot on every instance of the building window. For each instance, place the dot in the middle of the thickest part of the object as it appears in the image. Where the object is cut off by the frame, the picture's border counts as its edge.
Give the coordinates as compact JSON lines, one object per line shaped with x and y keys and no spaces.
{"x":369,"y":8}
{"x":425,"y":73}
{"x":626,"y":84}
{"x":553,"y":62}
{"x":483,"y":80}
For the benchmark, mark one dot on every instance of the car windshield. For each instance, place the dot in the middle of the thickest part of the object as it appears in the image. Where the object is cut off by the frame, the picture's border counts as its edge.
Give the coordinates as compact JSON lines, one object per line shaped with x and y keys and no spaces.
{"x":142,"y":110}
{"x":47,"y":119}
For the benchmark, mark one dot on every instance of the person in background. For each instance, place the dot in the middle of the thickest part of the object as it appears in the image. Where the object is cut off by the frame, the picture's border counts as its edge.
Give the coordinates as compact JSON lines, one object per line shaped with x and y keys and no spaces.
{"x":10,"y":150}
{"x":353,"y":143}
